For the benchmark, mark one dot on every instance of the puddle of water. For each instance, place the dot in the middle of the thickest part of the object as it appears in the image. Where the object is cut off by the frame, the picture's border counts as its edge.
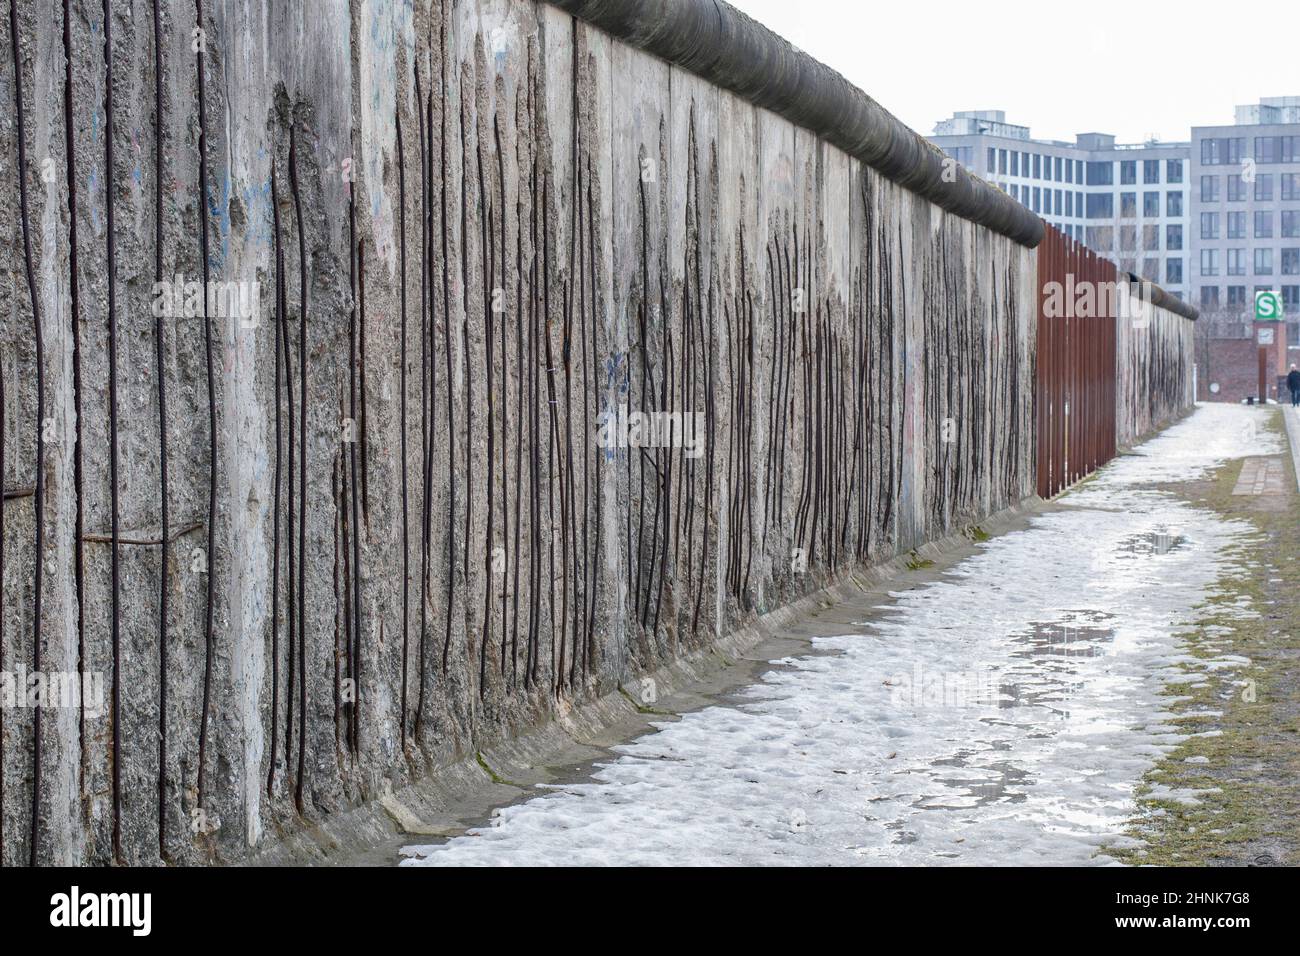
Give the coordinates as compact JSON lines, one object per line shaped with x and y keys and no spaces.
{"x":1155,"y":543}
{"x":998,"y":782}
{"x":1082,"y":633}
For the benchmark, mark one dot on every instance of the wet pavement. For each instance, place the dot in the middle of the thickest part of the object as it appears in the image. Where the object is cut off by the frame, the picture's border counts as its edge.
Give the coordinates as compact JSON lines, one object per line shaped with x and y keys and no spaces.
{"x":1003,"y":713}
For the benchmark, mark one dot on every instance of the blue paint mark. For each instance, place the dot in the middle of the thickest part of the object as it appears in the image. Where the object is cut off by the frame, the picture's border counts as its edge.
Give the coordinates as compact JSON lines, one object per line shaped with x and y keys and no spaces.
{"x":613,"y":376}
{"x":92,"y":190}
{"x":258,"y":202}
{"x":219,"y":209}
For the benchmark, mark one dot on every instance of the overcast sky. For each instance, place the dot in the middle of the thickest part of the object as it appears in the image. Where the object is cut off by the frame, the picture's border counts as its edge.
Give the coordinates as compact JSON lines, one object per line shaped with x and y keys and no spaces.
{"x":1135,"y":68}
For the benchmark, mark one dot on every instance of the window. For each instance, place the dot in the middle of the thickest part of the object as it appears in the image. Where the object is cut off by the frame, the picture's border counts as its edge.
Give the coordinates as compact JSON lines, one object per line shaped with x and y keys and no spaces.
{"x":1151,"y":238}
{"x":1236,"y":295}
{"x":1078,"y":204}
{"x":1174,"y":271}
{"x":1236,"y":189}
{"x":1236,"y":262}
{"x":1173,"y":170}
{"x":1101,"y":238}
{"x":1151,"y":268}
{"x":1291,"y":262}
{"x":1128,"y":239}
{"x":1002,"y":162}
{"x":1037,"y":199}
{"x":1209,"y":296}
{"x":1209,"y":189}
{"x":1263,"y":262}
{"x":1056,"y":165}
{"x":1101,"y":206}
{"x":1038,"y":166}
{"x":993,"y":160}
{"x":1237,"y":225}
{"x":1101,"y":174}
{"x":1057,"y":201}
{"x":1290,"y":224}
{"x":1209,"y":225}
{"x":1069,"y":203}
{"x":1069,"y":170}
{"x":1173,"y":238}
{"x":1128,"y":205}
{"x":1150,"y":171}
{"x":1290,"y":185}
{"x":1209,"y":262}
{"x":1222,"y":151}
{"x":1151,"y":205}
{"x":1174,"y":203}
{"x":1289,"y":149}
{"x":1015,"y":162}
{"x":1264,"y":186}
{"x":1263,"y":224}
{"x":1290,"y":298}
{"x":1128,"y":175}
{"x":1267,"y":149}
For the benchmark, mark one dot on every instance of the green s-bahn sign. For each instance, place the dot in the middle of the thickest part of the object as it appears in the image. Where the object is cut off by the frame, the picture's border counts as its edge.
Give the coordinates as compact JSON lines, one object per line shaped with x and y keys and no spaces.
{"x":1268,"y":307}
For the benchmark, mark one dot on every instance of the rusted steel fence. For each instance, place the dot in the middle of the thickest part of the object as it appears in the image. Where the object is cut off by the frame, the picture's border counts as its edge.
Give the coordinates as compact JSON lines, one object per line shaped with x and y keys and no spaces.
{"x":1076,"y":381}
{"x":1114,"y":360}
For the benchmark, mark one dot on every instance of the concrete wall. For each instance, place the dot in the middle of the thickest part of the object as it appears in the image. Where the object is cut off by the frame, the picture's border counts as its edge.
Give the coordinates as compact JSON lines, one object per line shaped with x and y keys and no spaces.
{"x":1154,"y":355}
{"x":580,"y":226}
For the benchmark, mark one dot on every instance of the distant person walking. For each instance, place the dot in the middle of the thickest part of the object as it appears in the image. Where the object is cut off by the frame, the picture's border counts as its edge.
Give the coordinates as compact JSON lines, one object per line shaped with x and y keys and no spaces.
{"x":1293,"y":383}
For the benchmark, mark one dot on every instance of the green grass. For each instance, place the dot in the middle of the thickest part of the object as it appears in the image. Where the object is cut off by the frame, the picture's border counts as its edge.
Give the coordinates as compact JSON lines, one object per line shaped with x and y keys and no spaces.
{"x":1248,"y":777}
{"x":917,"y":563}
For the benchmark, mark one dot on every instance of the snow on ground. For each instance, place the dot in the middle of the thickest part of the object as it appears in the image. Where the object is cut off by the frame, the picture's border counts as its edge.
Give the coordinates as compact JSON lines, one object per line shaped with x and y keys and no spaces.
{"x":1002,"y":715}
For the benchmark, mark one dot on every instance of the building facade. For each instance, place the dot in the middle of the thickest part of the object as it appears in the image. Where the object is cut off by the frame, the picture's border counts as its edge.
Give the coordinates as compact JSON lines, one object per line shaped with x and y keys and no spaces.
{"x":1213,"y":220}
{"x":1129,"y":203}
{"x":1246,"y":213}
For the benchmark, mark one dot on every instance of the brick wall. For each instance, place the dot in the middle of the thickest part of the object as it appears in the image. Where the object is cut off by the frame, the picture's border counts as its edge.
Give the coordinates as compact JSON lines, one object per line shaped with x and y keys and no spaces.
{"x":1231,"y":363}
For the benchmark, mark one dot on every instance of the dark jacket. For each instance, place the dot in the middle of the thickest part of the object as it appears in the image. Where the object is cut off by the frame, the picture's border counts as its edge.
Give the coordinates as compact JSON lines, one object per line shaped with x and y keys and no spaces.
{"x":1293,"y":379}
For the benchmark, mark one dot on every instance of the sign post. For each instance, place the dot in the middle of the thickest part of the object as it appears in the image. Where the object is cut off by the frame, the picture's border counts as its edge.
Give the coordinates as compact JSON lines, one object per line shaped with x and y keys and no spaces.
{"x":1268,"y":313}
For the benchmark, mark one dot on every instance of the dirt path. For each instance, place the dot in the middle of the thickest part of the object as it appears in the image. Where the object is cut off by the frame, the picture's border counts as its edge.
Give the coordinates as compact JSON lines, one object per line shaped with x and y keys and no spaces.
{"x":1230,"y":793}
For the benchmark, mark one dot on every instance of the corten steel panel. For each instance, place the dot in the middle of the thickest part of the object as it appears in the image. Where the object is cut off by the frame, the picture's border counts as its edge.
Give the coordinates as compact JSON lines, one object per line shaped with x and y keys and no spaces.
{"x":1076,"y":377}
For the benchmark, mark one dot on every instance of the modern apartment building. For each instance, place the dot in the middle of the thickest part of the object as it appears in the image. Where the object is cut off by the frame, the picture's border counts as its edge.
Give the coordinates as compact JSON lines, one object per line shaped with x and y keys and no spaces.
{"x":1246,"y":212}
{"x":1129,"y":203}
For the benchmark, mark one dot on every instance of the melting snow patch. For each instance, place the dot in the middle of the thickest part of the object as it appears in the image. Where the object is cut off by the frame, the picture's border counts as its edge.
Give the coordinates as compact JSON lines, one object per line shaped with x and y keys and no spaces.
{"x":971,"y":723}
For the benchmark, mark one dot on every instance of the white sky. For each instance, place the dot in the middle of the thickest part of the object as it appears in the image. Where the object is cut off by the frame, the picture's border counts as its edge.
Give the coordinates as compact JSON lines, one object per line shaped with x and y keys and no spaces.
{"x":1135,"y":68}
